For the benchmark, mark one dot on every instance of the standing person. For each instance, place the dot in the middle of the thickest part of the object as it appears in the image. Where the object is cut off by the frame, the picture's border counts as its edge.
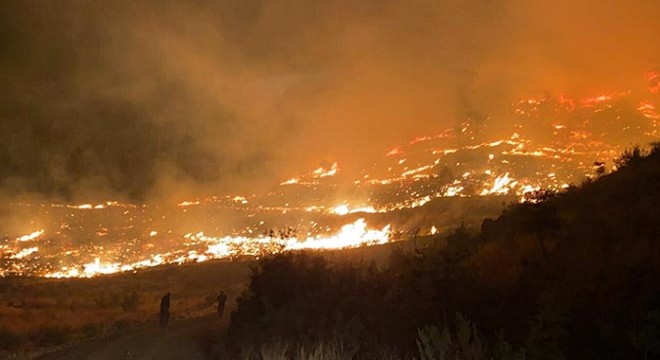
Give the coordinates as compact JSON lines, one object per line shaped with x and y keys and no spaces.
{"x":165,"y":310}
{"x":222,"y":299}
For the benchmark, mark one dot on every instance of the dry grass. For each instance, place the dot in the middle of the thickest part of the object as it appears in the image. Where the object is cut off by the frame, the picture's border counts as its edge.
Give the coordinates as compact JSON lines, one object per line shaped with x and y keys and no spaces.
{"x":37,"y":313}
{"x":331,"y":350}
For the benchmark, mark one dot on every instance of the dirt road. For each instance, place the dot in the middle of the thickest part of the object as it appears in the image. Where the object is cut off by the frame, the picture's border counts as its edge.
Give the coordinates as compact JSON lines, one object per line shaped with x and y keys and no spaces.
{"x":183,"y":339}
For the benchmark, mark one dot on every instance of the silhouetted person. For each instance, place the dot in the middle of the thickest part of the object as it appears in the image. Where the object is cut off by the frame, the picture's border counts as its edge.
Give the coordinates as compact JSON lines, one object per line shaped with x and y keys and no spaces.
{"x":222,"y":299}
{"x":165,"y":310}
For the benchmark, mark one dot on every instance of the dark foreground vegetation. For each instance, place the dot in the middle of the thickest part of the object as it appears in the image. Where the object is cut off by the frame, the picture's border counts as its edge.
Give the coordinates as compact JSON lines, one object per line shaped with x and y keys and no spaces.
{"x":572,"y":276}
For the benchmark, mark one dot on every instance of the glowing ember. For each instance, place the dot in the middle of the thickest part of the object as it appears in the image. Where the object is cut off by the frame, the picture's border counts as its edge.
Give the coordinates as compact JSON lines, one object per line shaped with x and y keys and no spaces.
{"x":654,"y":81}
{"x":647,"y":109}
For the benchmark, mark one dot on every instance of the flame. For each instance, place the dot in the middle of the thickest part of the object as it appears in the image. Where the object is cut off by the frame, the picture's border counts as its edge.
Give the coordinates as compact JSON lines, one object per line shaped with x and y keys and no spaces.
{"x":350,"y":235}
{"x":500,"y":186}
{"x":322,"y":172}
{"x":653,"y":78}
{"x":240,"y":199}
{"x":647,"y":109}
{"x":97,"y":206}
{"x":25,"y":252}
{"x":31,"y":236}
{"x":188,"y":203}
{"x":417,"y":170}
{"x":453,"y":191}
{"x":461,"y":161}
{"x":393,"y":152}
{"x":314,"y":177}
{"x":290,"y":181}
{"x":591,"y":101}
{"x":342,"y":210}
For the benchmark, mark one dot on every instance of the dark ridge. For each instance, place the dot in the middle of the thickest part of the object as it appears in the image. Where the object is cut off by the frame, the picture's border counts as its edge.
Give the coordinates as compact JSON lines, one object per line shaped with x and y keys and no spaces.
{"x":566,"y":276}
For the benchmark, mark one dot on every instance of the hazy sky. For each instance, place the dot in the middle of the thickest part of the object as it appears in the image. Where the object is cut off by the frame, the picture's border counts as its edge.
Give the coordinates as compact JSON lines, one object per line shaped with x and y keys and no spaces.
{"x":140,"y":98}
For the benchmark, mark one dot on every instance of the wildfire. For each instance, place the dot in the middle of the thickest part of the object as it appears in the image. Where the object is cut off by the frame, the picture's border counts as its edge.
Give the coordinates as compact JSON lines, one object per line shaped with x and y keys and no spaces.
{"x":553,"y":142}
{"x":314,"y":177}
{"x":500,"y":186}
{"x":647,"y":109}
{"x":350,"y":235}
{"x":25,"y":252}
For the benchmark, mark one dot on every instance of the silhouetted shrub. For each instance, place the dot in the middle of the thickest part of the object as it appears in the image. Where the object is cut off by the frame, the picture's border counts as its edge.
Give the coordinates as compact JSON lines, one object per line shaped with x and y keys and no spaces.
{"x":629,"y":157}
{"x":92,"y":330}
{"x":464,"y":343}
{"x":647,"y":338}
{"x":131,"y":302}
{"x":9,"y":340}
{"x":121,"y":325}
{"x":51,"y":336}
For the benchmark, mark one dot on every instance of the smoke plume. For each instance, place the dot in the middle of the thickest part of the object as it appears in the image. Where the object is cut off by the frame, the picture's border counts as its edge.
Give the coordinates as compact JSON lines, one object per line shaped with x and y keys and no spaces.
{"x":146,"y":99}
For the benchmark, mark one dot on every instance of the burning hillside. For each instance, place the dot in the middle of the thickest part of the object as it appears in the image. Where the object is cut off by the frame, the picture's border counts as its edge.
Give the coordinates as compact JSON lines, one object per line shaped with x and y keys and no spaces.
{"x":554,"y":141}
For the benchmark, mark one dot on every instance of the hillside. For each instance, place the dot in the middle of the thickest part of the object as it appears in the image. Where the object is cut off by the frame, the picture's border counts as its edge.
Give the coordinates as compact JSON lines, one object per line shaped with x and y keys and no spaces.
{"x":570,"y":275}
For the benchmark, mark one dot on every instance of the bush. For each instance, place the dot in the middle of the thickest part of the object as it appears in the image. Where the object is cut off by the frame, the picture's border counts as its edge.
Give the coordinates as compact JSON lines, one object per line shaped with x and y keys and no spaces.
{"x":121,"y":325}
{"x":647,"y":338}
{"x":335,"y":350}
{"x":131,"y":302}
{"x":301,"y":298}
{"x":433,"y":344}
{"x":92,"y":330}
{"x":464,"y":344}
{"x":630,"y":157}
{"x":51,"y":336}
{"x":9,"y":340}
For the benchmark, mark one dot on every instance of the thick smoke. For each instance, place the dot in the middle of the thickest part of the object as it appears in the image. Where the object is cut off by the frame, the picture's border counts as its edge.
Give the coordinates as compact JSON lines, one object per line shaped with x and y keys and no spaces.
{"x":145,"y":99}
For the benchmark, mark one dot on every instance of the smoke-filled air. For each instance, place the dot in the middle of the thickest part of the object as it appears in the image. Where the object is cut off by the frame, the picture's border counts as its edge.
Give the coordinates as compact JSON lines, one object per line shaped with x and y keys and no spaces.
{"x":140,"y":133}
{"x":330,"y":179}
